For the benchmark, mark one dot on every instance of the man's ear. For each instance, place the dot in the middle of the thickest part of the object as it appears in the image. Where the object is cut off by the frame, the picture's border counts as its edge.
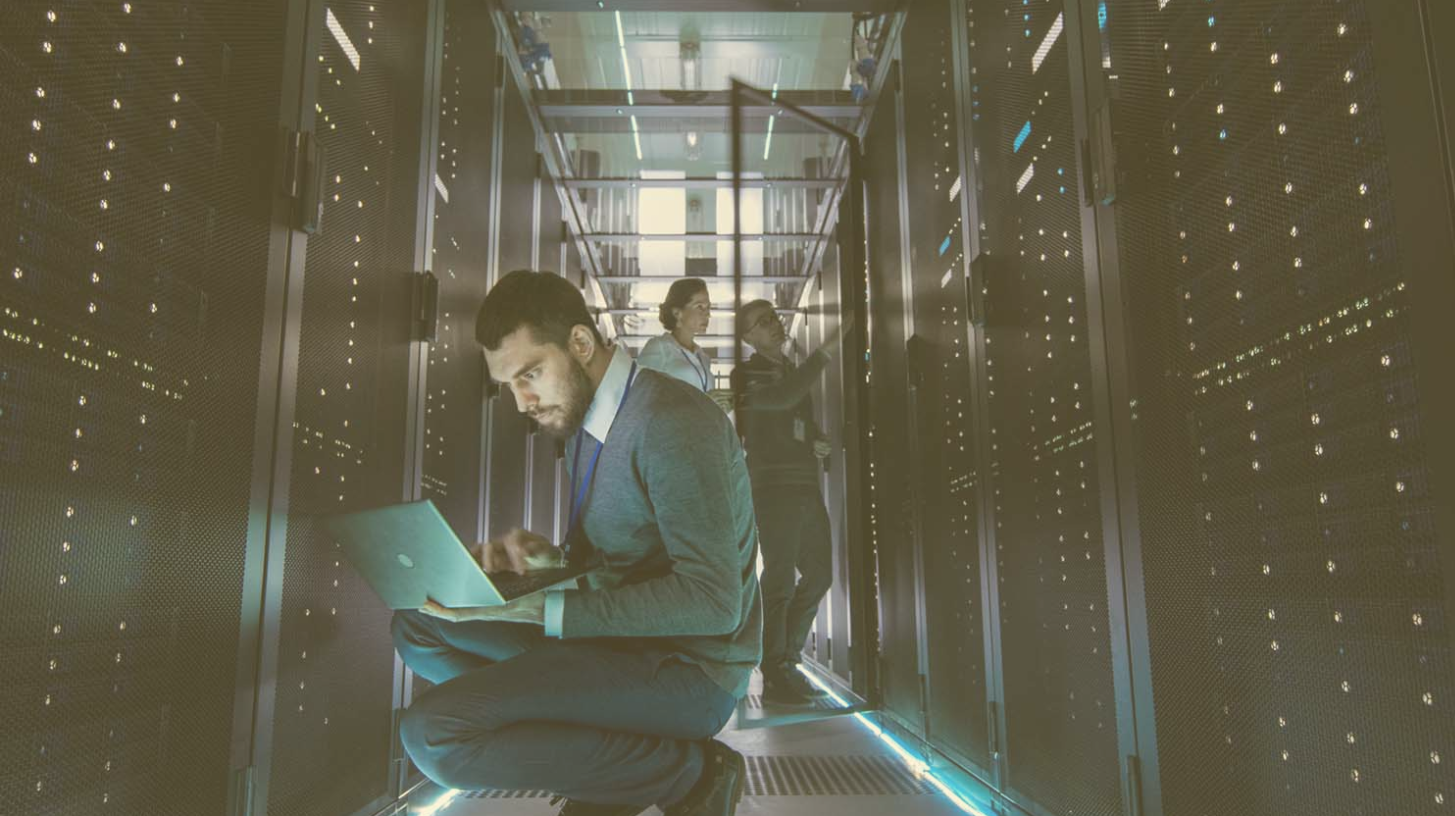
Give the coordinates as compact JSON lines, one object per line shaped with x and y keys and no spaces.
{"x":582,"y":344}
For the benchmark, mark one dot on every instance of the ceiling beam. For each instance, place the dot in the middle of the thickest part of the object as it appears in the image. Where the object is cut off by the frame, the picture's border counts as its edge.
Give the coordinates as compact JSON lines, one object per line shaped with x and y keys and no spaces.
{"x":635,"y":237}
{"x":760,"y":6}
{"x":697,"y":183}
{"x":604,"y":104}
{"x":686,"y":120}
{"x":629,"y":279}
{"x":652,"y":311}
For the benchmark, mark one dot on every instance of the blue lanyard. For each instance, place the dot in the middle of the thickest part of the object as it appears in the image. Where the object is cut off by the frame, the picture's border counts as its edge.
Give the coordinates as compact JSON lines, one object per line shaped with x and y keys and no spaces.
{"x":701,"y":373}
{"x":578,"y":494}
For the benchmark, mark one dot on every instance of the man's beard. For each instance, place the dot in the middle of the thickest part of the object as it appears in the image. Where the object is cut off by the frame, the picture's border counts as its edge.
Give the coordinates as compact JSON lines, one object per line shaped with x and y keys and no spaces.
{"x":564,"y":420}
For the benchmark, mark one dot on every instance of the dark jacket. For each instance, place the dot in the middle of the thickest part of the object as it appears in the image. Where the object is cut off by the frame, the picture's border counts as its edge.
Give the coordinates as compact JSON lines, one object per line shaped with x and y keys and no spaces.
{"x":773,"y":399}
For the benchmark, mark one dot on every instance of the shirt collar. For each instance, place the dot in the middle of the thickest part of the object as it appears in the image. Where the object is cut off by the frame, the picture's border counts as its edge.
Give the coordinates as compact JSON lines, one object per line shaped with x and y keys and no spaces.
{"x":602,"y":413}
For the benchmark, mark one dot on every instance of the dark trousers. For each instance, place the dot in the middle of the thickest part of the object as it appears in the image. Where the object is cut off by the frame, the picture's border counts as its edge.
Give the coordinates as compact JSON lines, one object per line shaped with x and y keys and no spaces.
{"x":607,"y":721}
{"x":793,"y":532}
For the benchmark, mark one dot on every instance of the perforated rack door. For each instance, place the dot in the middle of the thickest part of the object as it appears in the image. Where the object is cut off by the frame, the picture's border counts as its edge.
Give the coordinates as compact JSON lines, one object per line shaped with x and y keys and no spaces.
{"x":135,"y":152}
{"x":332,"y":712}
{"x":946,"y":478}
{"x":452,"y":475}
{"x":509,"y":428}
{"x":890,"y":490}
{"x":1298,"y":642}
{"x":1060,"y":707}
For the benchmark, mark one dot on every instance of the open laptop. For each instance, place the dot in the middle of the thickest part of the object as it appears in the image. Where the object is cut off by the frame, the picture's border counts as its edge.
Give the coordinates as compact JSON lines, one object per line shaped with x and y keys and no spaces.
{"x":408,"y":553}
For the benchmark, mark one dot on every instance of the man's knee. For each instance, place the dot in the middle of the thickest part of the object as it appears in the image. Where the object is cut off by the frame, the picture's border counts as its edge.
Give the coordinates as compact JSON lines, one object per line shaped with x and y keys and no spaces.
{"x":410,"y":628}
{"x":434,"y":750}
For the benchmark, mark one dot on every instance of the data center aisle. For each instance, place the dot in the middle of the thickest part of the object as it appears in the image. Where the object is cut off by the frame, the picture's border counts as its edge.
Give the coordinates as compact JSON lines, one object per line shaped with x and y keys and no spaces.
{"x":827,"y":768}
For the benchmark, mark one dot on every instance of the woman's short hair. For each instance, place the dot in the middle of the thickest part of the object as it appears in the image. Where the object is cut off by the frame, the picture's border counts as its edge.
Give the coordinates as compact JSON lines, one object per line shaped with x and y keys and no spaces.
{"x":677,"y":297}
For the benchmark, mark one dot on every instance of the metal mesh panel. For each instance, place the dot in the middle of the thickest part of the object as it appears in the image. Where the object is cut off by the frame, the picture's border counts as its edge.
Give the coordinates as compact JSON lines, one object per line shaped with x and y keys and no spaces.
{"x":508,"y":426}
{"x":333,"y":709}
{"x":1298,"y":641}
{"x":1059,"y":701}
{"x":134,"y":261}
{"x":892,"y":530}
{"x":946,"y":479}
{"x":452,"y":468}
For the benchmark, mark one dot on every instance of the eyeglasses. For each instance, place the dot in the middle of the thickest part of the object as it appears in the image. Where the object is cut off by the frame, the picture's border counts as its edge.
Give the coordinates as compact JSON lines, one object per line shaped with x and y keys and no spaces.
{"x":771,"y":314}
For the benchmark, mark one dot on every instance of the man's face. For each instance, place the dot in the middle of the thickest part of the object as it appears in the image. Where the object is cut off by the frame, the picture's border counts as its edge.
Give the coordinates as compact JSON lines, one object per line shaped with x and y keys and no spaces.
{"x":550,"y":383}
{"x":765,"y":330}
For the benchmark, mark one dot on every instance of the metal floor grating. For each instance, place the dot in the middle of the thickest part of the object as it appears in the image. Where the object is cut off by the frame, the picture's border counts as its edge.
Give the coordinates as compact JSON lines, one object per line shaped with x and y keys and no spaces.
{"x":802,"y":776}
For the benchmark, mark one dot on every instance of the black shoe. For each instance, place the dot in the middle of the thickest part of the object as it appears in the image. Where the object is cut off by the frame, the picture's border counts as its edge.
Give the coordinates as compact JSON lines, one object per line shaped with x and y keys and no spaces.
{"x":720,"y":788}
{"x":787,"y":686}
{"x":575,"y":808}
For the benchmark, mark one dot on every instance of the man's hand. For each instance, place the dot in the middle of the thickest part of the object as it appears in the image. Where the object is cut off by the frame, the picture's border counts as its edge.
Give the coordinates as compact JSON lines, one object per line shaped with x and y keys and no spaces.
{"x":530,"y":609}
{"x":520,"y":551}
{"x":724,"y":399}
{"x":822,"y":448}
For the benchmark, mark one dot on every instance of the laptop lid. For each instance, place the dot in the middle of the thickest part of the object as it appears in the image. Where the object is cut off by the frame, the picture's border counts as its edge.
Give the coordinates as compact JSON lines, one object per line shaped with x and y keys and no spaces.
{"x":408,"y":554}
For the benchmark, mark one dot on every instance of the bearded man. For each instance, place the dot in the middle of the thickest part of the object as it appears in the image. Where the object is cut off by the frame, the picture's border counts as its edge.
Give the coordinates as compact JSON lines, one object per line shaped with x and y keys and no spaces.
{"x":610,"y":694}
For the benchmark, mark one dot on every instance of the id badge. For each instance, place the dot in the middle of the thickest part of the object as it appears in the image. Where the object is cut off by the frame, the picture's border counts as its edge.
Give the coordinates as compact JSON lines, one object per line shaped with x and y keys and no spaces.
{"x":800,"y":430}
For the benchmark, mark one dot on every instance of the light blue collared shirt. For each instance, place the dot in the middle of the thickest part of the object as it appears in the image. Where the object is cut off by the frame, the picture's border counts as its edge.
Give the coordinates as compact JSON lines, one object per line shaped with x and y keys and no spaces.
{"x":599,"y":419}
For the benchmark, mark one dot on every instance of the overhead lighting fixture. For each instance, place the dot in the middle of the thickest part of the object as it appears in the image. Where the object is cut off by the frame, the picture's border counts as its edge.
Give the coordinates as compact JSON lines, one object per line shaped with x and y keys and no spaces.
{"x":626,"y":70}
{"x":768,"y":143}
{"x":637,"y":137}
{"x":690,"y":55}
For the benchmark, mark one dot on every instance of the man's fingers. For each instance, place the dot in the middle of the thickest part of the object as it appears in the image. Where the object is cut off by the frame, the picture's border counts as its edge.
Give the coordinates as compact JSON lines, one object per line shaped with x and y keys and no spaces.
{"x":493,"y":557}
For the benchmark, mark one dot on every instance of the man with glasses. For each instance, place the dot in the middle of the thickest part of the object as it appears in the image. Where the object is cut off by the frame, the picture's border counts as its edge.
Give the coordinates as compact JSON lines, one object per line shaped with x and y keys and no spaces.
{"x":784,"y":446}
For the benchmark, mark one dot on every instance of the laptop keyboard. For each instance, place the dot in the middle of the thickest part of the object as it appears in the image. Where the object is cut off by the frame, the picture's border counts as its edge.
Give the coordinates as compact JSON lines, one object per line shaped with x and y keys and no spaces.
{"x":513,"y":586}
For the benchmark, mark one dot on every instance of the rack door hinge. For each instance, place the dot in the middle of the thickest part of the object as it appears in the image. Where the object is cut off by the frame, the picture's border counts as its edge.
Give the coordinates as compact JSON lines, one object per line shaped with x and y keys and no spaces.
{"x":426,"y":307}
{"x":303,"y":170}
{"x":241,"y":794}
{"x":1134,"y":784}
{"x":980,"y":269}
{"x":993,"y":726}
{"x":924,"y":706}
{"x":1103,"y":158}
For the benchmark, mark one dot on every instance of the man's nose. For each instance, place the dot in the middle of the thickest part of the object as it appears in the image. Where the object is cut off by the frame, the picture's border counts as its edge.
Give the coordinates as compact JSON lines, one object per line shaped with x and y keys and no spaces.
{"x":524,"y":400}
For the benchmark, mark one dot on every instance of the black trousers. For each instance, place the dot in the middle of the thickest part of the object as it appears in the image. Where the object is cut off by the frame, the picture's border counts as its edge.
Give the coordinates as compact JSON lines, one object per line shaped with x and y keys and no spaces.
{"x":793,"y":532}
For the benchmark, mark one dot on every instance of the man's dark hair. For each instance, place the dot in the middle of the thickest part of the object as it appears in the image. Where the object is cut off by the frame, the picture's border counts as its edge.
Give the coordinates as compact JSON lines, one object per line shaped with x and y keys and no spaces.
{"x":544,"y":302}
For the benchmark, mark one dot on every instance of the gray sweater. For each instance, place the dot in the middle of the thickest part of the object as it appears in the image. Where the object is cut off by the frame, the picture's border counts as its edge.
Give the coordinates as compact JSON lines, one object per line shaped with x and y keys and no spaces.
{"x":671,"y":513}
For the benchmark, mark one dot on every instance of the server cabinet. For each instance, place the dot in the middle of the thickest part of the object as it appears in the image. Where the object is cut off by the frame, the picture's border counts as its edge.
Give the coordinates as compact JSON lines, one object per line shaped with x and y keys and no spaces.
{"x":1271,"y":376}
{"x":1061,"y":744}
{"x":940,"y":359}
{"x":144,"y":272}
{"x":332,"y":697}
{"x":453,"y":471}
